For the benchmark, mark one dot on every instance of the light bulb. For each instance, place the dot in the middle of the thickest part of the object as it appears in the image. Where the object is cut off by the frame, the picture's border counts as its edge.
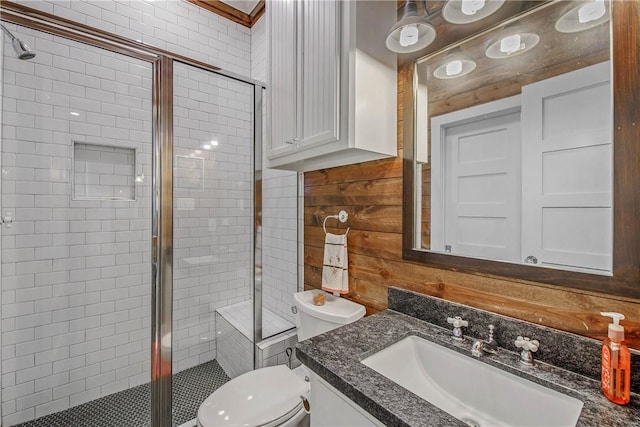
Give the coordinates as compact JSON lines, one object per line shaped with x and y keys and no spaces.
{"x":591,"y":11}
{"x":510,"y":44}
{"x":470,"y":7}
{"x":454,"y":67}
{"x":408,"y":35}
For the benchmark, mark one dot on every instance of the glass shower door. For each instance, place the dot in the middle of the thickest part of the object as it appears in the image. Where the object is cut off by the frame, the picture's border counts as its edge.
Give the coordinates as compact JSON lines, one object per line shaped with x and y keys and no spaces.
{"x":213,"y":234}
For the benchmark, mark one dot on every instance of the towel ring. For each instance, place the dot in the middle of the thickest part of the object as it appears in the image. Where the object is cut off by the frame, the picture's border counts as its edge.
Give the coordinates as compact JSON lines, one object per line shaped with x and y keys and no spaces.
{"x":342,"y":216}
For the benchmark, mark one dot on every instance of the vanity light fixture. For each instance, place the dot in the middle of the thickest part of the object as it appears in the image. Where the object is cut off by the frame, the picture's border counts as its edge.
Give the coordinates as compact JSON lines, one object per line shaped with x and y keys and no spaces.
{"x":510,"y":45}
{"x":467,"y":11}
{"x":411,"y":33}
{"x":414,"y":32}
{"x":454,"y":65}
{"x":584,"y":16}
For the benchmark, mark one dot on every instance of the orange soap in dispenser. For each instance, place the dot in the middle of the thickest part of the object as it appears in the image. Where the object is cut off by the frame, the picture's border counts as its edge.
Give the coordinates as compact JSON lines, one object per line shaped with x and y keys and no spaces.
{"x":616,"y":363}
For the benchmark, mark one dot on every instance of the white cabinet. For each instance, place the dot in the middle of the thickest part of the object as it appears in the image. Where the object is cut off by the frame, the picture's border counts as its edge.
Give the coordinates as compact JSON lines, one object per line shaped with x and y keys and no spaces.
{"x":283,"y":79}
{"x":332,"y":83}
{"x":330,"y":408}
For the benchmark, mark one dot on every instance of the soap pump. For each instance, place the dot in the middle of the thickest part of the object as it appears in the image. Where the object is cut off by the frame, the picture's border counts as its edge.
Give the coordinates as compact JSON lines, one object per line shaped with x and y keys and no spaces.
{"x":616,"y":363}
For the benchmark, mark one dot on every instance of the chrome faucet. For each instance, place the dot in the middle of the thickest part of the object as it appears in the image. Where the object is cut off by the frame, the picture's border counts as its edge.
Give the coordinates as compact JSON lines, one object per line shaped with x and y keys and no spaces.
{"x":489,"y":345}
{"x":458,"y":323}
{"x":528,"y":347}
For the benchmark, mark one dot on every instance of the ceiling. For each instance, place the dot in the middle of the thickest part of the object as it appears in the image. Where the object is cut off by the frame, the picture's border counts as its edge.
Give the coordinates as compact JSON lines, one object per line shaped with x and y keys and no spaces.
{"x":245,"y":6}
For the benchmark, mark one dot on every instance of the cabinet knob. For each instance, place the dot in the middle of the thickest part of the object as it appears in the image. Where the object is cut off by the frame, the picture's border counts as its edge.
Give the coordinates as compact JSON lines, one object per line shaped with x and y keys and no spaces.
{"x":293,"y":141}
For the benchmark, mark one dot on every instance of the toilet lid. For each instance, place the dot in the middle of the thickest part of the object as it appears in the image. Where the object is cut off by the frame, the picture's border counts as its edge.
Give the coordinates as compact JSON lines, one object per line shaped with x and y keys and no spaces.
{"x":253,"y":399}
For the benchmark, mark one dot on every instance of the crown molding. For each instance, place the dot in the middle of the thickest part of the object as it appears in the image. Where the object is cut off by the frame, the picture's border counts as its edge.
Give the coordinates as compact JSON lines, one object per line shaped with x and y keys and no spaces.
{"x":231,"y":13}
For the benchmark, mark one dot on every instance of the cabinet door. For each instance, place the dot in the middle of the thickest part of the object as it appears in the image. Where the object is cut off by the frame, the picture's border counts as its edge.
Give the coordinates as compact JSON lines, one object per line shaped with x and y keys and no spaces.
{"x":330,"y":408}
{"x":319,"y":63}
{"x":283,"y":77}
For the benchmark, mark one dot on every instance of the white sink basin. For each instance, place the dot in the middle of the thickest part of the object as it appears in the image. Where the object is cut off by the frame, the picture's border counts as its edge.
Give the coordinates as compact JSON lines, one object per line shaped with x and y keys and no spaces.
{"x":470,"y":390}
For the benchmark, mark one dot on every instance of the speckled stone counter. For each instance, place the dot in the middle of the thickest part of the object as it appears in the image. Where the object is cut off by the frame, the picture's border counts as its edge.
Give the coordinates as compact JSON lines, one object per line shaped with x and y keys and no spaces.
{"x":336,"y":356}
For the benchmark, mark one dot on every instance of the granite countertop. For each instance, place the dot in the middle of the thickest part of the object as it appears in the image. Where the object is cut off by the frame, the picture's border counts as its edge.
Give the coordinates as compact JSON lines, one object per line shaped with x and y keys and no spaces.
{"x":336,"y":356}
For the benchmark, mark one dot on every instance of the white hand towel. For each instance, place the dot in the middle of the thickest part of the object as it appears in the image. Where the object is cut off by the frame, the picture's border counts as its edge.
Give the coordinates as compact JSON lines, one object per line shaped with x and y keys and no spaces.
{"x":335,"y":269}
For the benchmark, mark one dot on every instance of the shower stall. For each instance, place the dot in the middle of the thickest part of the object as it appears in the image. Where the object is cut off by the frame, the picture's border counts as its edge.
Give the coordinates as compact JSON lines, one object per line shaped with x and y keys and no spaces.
{"x":134,"y":214}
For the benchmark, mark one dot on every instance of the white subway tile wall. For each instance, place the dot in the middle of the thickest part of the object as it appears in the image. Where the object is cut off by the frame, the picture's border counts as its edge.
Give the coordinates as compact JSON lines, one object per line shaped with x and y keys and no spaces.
{"x":279,"y":242}
{"x":279,"y":350}
{"x":259,"y":50}
{"x":235,"y":354}
{"x":279,"y":211}
{"x":75,"y":273}
{"x":174,"y":25}
{"x":102,"y":171}
{"x":213,"y":137}
{"x":234,"y":324}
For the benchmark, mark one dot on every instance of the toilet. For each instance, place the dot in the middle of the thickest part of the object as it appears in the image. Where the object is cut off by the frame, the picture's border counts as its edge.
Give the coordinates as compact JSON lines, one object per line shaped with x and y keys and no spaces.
{"x":271,"y":396}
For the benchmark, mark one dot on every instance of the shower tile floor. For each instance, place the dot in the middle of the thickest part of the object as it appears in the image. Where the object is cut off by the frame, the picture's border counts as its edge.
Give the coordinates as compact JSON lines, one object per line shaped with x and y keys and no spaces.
{"x":132,"y":407}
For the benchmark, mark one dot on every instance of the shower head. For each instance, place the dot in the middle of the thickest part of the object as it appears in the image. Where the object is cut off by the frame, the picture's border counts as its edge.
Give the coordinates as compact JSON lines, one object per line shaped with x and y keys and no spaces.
{"x":22,"y":49}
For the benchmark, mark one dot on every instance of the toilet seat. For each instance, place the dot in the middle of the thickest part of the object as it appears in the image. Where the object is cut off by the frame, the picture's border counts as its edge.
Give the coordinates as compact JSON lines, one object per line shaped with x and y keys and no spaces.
{"x":264,"y":397}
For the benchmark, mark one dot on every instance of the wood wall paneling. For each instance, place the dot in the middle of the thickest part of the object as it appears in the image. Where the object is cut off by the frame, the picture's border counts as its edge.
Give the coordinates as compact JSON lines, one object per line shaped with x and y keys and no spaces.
{"x":372,"y":195}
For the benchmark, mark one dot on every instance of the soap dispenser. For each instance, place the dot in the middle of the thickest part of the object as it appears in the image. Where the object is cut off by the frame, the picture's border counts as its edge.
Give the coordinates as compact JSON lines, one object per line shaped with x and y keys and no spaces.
{"x":616,"y":363}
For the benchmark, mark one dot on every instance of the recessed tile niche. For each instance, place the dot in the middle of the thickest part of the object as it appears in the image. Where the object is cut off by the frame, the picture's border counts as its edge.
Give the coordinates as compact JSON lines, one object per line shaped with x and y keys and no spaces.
{"x":103,"y":172}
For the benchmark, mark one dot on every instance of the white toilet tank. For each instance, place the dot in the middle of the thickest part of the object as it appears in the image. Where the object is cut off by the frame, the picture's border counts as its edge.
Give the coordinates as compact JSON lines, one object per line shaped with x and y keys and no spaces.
{"x":312,"y":320}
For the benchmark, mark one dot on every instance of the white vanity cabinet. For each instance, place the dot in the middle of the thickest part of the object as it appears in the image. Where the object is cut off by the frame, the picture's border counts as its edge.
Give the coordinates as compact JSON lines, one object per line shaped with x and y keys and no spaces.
{"x":332,"y":83}
{"x":330,"y":408}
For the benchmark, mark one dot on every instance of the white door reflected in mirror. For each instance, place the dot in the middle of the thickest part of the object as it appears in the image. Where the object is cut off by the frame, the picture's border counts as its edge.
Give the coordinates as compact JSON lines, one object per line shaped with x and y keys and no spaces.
{"x":528,"y":175}
{"x":513,"y":161}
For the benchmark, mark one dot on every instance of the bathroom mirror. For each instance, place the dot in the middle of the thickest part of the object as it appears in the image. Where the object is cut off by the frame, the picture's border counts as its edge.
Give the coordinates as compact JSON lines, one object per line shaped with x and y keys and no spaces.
{"x":514,"y":164}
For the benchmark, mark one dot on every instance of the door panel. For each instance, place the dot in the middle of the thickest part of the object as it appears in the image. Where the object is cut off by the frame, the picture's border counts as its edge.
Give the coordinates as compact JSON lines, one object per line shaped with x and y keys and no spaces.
{"x":568,"y":185}
{"x":482,"y":213}
{"x":283,"y":77}
{"x":320,"y":71}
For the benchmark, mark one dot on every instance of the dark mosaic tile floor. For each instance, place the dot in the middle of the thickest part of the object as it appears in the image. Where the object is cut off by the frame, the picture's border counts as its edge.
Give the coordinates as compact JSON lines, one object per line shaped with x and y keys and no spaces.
{"x":132,"y":408}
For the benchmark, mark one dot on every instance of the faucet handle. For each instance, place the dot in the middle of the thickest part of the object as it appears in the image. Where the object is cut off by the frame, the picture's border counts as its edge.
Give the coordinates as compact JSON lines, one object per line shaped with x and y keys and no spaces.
{"x":457,"y":322}
{"x":527,"y":344}
{"x":528,"y":347}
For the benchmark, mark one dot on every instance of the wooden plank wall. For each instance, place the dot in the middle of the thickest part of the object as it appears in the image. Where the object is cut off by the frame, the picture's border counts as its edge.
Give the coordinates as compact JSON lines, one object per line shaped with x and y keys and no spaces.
{"x":372,"y":195}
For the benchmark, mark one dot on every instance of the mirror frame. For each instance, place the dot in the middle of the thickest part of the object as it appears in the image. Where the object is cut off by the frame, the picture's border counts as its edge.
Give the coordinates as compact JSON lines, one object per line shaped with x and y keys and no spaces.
{"x":625,"y":278}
